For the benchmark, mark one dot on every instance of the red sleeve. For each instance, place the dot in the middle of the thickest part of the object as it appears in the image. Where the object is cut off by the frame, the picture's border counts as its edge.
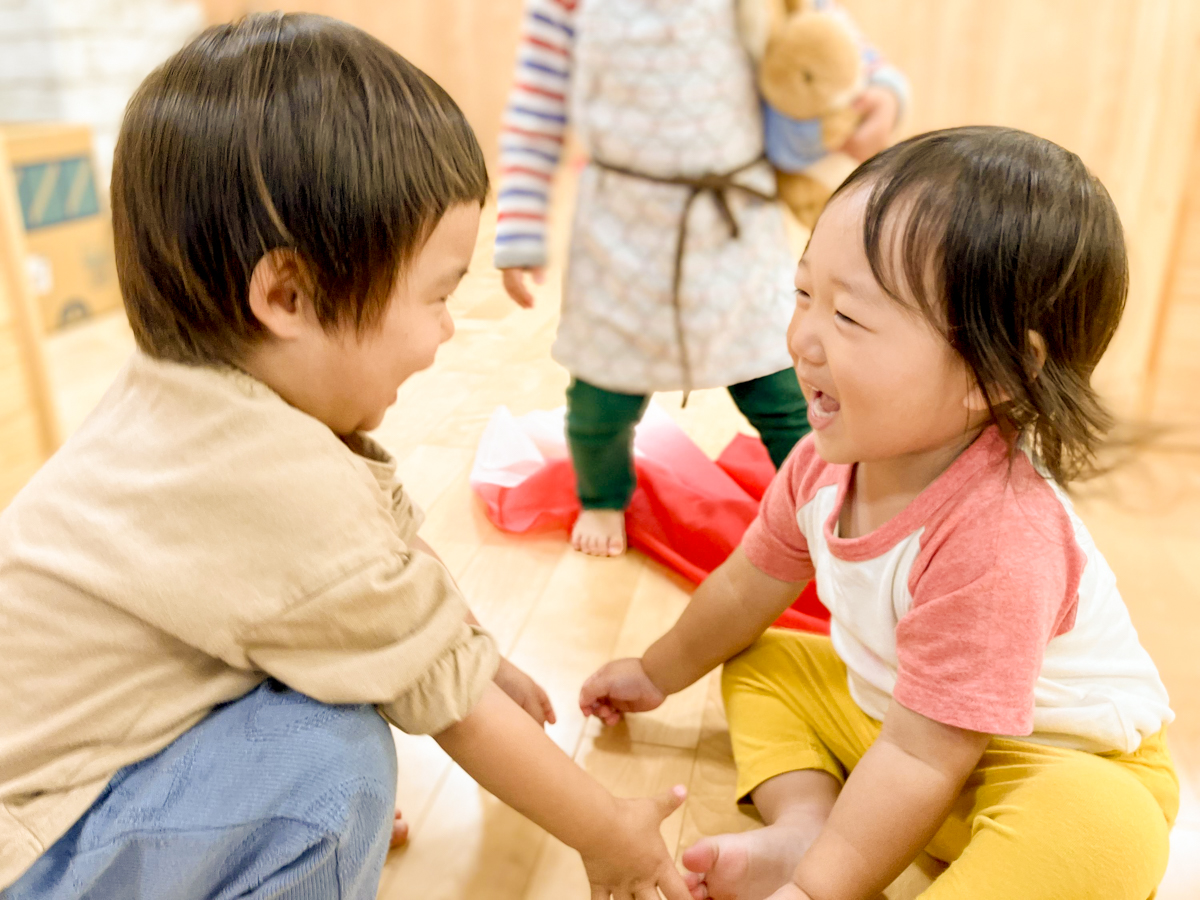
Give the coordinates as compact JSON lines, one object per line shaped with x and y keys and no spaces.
{"x":774,"y":542}
{"x":987,"y":598}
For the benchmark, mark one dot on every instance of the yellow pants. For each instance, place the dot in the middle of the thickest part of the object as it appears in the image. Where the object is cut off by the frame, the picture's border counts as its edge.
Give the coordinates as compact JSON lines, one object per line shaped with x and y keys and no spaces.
{"x":1032,"y":821}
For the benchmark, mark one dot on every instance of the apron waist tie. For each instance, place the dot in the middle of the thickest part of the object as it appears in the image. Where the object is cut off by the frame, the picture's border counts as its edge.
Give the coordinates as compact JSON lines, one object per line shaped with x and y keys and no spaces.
{"x":718,"y":185}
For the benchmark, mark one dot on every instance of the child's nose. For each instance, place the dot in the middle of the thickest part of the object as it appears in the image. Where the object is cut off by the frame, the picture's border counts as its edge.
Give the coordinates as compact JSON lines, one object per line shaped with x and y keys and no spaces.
{"x":804,"y":341}
{"x":447,"y":326}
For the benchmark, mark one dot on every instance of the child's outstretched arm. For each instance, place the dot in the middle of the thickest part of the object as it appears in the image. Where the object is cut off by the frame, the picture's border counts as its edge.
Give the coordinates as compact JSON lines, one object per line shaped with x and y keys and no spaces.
{"x":734,"y":605}
{"x":624,"y":854}
{"x":890,"y":807}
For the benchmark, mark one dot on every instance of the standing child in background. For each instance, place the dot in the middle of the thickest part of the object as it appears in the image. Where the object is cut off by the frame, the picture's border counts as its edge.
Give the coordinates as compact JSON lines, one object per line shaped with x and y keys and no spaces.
{"x":982,"y":692}
{"x":214,"y":594}
{"x":679,"y":269}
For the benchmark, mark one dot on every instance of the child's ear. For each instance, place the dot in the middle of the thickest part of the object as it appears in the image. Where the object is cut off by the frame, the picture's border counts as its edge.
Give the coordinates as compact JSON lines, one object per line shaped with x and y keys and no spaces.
{"x":974,"y":400}
{"x":279,"y":295}
{"x":1037,"y":343}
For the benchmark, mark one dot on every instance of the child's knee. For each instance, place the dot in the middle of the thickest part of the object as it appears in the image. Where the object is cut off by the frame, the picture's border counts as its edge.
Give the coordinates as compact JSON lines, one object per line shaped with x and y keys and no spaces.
{"x":1095,"y":818}
{"x":356,"y":740}
{"x":1119,"y":815}
{"x":347,"y":749}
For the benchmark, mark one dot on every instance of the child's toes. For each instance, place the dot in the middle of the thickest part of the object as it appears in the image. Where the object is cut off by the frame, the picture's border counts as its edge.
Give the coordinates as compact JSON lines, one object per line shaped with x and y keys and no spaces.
{"x":399,"y":832}
{"x":699,"y":858}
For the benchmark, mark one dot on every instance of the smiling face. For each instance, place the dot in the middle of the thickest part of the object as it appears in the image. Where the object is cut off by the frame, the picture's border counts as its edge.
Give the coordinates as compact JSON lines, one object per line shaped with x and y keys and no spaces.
{"x":362,"y":373}
{"x":346,"y":378}
{"x":881,"y":382}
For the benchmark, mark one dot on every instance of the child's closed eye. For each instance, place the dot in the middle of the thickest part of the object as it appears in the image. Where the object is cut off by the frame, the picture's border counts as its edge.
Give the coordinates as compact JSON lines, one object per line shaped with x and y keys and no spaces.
{"x":842,"y":317}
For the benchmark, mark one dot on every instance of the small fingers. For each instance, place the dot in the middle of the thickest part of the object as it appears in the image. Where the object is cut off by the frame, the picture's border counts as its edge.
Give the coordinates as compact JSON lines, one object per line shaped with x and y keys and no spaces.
{"x":535,"y":709}
{"x":547,"y":707}
{"x":521,"y":295}
{"x":671,"y":800}
{"x":514,"y":286}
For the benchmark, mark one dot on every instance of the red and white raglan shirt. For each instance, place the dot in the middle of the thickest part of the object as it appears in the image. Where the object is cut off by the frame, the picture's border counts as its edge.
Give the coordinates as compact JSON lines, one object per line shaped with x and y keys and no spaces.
{"x":984,"y":605}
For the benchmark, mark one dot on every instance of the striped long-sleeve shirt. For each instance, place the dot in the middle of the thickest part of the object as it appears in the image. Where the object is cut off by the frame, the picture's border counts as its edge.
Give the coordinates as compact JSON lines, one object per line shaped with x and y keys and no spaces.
{"x":531,"y":137}
{"x":535,"y":122}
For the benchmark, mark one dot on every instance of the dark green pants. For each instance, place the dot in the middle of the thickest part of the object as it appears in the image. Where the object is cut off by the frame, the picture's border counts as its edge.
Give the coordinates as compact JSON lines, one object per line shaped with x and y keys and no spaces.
{"x":600,"y":427}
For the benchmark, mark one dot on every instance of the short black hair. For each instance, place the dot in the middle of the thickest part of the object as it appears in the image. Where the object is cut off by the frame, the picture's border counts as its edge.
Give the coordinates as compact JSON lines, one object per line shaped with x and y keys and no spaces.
{"x":997,"y":234}
{"x":280,"y":131}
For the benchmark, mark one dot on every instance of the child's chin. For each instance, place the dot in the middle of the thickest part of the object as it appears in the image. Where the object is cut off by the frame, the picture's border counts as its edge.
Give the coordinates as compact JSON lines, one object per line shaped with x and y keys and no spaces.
{"x":372,"y":421}
{"x":830,"y":451}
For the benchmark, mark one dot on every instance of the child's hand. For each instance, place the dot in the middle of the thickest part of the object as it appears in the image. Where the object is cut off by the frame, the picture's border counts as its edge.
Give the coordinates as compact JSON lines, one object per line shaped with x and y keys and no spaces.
{"x":525,"y":692}
{"x":880,"y":109}
{"x":634,"y":863}
{"x":514,"y":284}
{"x":621,"y":686}
{"x":619,"y":840}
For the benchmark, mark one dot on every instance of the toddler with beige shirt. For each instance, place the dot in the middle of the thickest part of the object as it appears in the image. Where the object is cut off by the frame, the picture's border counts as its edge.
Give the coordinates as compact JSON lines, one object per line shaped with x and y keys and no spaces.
{"x":213,"y":598}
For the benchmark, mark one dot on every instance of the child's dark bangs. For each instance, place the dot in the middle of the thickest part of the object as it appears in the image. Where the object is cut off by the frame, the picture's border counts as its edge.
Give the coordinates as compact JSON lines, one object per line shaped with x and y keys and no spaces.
{"x":904,"y":230}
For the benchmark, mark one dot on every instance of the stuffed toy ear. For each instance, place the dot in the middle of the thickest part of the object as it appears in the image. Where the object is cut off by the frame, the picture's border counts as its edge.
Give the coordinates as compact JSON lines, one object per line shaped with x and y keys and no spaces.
{"x":757,"y":20}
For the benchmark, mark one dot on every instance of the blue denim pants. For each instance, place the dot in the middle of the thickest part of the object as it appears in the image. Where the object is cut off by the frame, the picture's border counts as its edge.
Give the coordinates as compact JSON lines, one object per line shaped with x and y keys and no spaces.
{"x":271,"y":796}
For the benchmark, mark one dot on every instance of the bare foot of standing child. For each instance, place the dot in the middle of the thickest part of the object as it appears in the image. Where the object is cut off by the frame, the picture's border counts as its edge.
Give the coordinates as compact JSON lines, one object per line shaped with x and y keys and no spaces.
{"x":748,"y":866}
{"x":599,"y":532}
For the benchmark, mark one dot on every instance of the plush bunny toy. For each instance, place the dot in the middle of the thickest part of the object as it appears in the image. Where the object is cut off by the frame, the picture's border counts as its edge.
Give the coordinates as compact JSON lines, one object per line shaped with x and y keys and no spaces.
{"x":810,"y":71}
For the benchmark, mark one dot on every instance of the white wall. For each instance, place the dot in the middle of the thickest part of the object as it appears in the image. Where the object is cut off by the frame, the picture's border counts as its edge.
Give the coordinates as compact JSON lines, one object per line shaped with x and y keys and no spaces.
{"x":80,"y":60}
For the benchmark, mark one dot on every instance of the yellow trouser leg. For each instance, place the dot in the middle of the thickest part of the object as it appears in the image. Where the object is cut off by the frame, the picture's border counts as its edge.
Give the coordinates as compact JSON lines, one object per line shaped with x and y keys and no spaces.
{"x":1041,"y":822}
{"x":789,"y":708}
{"x":1032,"y":822}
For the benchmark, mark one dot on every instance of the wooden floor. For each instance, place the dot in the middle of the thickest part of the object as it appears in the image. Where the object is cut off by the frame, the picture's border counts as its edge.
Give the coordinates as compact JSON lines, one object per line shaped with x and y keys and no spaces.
{"x":560,"y":615}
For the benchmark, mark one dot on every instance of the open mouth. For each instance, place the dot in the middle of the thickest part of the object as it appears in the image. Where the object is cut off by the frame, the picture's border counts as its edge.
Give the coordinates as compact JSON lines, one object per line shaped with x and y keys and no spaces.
{"x":822,"y":408}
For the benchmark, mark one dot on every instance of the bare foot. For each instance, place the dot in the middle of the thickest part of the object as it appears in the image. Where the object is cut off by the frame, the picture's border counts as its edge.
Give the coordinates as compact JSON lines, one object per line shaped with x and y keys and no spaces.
{"x":747,"y":866}
{"x":399,"y":832}
{"x":599,"y":532}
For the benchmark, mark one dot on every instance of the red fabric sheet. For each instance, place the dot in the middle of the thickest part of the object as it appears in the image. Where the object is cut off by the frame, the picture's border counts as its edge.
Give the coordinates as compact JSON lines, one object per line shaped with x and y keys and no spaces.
{"x":688,"y":511}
